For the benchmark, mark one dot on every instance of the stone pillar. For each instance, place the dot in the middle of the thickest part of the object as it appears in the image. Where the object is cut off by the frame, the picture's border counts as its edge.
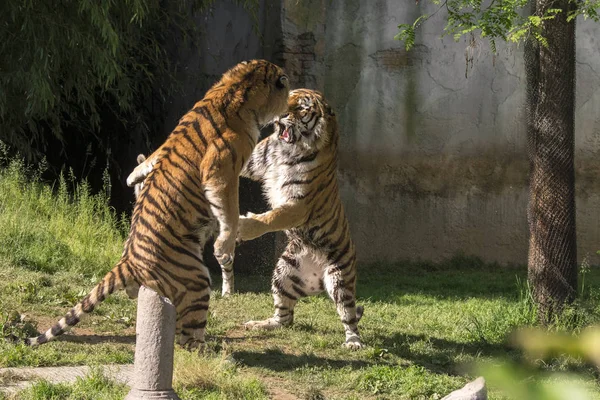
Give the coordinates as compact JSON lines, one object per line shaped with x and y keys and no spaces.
{"x":154,"y":347}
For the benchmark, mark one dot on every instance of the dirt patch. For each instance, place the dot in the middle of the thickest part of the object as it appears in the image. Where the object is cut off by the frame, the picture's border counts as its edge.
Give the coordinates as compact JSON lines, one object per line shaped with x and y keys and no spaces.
{"x":9,"y":377}
{"x":276,"y":388}
{"x":86,"y":333}
{"x":236,"y":333}
{"x":255,"y":340}
{"x":96,"y":339}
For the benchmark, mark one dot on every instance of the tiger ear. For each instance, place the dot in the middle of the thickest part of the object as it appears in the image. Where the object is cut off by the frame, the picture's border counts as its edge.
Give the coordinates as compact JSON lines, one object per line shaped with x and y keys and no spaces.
{"x":141,"y":158}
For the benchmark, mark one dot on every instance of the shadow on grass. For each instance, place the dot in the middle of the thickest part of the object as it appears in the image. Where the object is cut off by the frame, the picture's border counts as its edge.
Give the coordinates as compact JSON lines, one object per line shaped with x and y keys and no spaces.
{"x":244,"y":283}
{"x":96,"y":339}
{"x":441,"y":354}
{"x":279,"y":361}
{"x":440,"y":358}
{"x":458,"y":277}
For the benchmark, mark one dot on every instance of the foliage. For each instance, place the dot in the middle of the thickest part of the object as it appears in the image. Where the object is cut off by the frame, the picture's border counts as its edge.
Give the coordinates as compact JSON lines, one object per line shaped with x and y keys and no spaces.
{"x":528,"y":379}
{"x":423,"y":322}
{"x":79,"y":72}
{"x":507,"y":20}
{"x":46,"y":228}
{"x":194,"y":380}
{"x":213,"y":378}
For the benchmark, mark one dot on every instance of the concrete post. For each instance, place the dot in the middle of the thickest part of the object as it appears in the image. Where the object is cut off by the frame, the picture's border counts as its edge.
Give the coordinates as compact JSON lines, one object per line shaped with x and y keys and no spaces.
{"x":154,"y":347}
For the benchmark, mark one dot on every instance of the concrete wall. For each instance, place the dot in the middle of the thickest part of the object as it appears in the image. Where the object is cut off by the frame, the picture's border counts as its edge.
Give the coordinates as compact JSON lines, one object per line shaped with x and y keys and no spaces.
{"x":433,"y":152}
{"x":433,"y":156}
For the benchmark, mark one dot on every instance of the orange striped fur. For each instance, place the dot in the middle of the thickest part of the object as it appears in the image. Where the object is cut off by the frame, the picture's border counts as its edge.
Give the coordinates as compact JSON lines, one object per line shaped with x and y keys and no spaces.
{"x":191,"y":190}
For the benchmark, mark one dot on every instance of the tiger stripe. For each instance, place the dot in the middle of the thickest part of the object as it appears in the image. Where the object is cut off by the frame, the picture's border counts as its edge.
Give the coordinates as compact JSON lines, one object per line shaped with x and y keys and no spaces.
{"x":190,"y":190}
{"x":297,"y":167}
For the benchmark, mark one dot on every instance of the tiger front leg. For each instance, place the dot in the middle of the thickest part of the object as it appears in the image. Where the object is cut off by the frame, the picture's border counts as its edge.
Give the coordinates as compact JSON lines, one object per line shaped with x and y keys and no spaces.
{"x":228,"y":281}
{"x":281,"y":218}
{"x":224,"y":204}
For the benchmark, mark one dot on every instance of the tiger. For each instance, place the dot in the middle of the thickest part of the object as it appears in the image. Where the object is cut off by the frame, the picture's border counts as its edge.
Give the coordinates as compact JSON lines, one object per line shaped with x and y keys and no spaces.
{"x":191,"y":181}
{"x":297,"y":166}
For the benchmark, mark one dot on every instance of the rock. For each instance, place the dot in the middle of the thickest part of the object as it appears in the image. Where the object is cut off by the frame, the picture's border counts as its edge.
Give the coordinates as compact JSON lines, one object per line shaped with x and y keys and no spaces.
{"x":475,"y":390}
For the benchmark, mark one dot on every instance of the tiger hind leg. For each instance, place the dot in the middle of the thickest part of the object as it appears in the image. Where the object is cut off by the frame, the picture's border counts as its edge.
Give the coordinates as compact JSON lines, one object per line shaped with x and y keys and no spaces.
{"x":285,"y":300}
{"x":192,"y":312}
{"x":285,"y":293}
{"x":132,"y":290}
{"x":342,"y":292}
{"x":296,"y":275}
{"x":191,"y":325}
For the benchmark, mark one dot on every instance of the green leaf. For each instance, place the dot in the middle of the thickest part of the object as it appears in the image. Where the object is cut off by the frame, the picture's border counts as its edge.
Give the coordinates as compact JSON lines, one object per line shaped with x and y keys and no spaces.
{"x":535,"y":20}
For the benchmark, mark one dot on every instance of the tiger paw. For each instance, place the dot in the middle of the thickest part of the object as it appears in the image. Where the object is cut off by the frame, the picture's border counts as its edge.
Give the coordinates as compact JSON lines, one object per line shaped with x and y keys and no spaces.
{"x":140,"y":172}
{"x":267,"y":324}
{"x":224,"y":251}
{"x":353,"y":343}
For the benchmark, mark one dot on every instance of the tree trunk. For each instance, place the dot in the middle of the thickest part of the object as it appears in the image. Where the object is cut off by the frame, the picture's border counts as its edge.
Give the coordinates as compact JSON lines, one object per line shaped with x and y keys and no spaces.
{"x":552,"y":264}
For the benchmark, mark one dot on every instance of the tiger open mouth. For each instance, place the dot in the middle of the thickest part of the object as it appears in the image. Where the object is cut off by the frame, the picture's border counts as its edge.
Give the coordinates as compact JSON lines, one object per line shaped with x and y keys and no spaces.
{"x":285,"y":133}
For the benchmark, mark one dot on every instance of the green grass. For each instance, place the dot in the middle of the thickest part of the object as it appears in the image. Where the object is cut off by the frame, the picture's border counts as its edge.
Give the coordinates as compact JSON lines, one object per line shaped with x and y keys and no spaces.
{"x":425,"y":324}
{"x":47,"y":229}
{"x":95,"y":386}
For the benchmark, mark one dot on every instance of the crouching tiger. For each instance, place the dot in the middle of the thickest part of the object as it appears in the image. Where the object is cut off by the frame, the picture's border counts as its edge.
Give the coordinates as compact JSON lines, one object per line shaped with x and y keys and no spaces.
{"x":297,"y":166}
{"x":192,"y":180}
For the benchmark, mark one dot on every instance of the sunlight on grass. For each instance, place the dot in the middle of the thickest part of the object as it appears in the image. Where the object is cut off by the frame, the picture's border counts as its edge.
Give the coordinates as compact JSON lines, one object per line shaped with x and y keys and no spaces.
{"x":425,"y":324}
{"x":201,"y":377}
{"x":95,"y":386}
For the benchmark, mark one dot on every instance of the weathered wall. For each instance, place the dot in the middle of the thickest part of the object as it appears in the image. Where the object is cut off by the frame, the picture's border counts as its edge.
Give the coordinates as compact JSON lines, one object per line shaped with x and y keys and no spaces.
{"x":432,"y":161}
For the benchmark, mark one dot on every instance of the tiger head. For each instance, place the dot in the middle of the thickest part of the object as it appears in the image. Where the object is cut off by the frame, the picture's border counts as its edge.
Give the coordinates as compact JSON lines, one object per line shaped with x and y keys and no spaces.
{"x":309,"y":122}
{"x":257,"y":86}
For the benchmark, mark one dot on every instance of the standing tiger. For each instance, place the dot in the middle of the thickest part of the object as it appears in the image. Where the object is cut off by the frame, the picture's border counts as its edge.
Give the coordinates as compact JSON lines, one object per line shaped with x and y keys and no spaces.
{"x":297,"y":166}
{"x":192,"y":180}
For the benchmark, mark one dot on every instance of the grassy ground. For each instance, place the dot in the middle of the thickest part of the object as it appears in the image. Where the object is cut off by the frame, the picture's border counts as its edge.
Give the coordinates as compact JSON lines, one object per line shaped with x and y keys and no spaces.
{"x":425,"y":324}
